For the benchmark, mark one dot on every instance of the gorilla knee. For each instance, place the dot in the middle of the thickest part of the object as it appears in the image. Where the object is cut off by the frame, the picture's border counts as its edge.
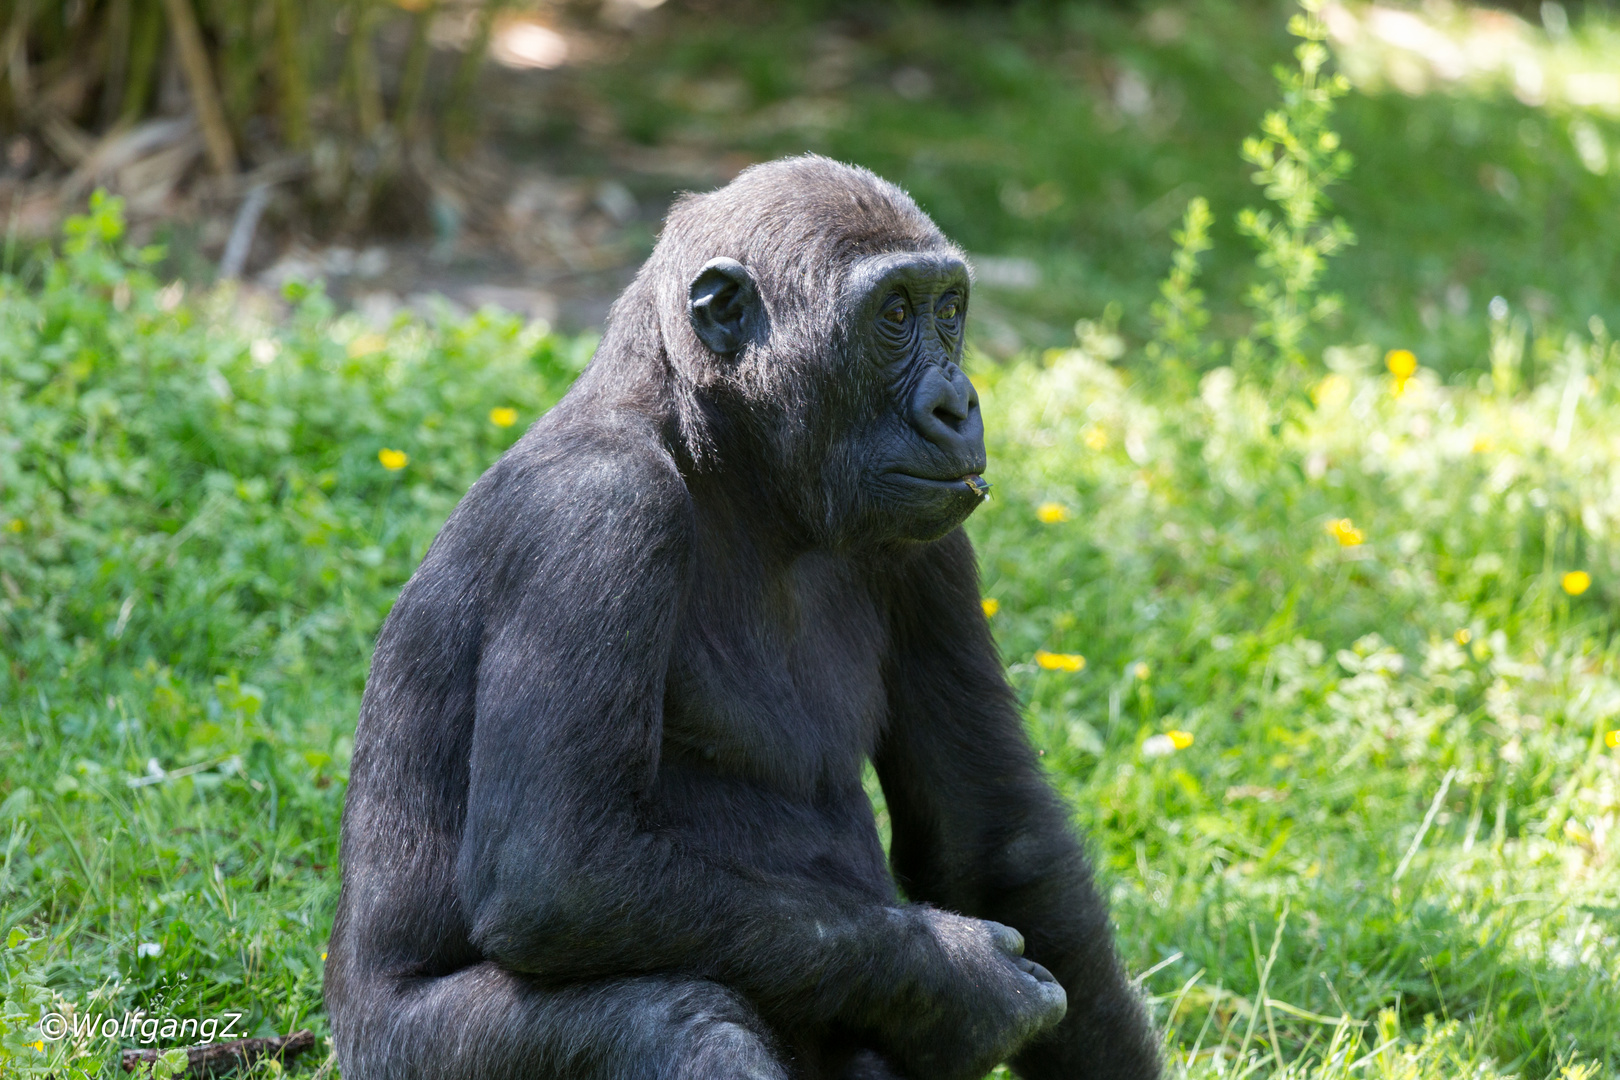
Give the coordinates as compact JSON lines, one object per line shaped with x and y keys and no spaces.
{"x":724,"y":1050}
{"x":719,"y":1036}
{"x":869,"y":1065}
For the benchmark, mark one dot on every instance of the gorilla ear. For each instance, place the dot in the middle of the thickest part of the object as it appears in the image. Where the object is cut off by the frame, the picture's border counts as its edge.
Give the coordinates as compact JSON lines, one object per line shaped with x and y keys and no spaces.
{"x":723,"y":305}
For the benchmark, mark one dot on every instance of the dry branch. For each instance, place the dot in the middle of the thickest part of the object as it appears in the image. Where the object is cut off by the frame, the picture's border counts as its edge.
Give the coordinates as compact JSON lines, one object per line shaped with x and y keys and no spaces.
{"x":294,"y":101}
{"x":211,"y":1059}
{"x":200,"y":81}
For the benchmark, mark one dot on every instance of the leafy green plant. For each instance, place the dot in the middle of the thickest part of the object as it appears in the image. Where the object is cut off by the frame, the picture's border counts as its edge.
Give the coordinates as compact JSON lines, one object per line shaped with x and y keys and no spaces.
{"x":1297,"y":157}
{"x":1179,"y":314}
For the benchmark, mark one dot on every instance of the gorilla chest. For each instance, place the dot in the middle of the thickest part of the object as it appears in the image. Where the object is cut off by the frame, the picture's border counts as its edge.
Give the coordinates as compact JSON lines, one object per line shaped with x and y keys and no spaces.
{"x":779,"y":684}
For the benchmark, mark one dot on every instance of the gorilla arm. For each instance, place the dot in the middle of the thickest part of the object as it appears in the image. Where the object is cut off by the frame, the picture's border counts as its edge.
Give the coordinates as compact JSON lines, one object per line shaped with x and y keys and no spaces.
{"x":560,"y":874}
{"x":977,"y":829}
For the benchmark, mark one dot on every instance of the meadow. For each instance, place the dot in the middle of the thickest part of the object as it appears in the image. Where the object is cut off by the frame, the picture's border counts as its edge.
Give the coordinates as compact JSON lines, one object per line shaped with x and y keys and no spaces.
{"x":1314,"y":625}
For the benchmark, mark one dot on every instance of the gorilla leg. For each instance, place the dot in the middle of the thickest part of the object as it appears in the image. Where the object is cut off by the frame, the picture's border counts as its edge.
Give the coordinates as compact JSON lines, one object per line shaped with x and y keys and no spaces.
{"x":868,"y":1065}
{"x":489,"y":1024}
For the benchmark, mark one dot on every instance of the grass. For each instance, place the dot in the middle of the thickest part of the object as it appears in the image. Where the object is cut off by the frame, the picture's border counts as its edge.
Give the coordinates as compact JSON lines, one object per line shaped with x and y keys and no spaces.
{"x":1331,"y":677}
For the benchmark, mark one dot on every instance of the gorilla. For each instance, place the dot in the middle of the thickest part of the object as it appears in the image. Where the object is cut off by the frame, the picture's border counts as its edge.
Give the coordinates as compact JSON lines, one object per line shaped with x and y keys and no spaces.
{"x":605,"y":817}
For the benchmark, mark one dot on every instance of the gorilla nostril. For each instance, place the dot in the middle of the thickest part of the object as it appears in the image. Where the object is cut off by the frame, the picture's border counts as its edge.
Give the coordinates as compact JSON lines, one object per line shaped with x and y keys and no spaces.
{"x":944,"y":408}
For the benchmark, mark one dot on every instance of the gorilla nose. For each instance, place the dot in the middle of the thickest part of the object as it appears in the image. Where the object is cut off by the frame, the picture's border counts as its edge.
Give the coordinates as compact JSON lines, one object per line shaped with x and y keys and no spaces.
{"x":945,"y":411}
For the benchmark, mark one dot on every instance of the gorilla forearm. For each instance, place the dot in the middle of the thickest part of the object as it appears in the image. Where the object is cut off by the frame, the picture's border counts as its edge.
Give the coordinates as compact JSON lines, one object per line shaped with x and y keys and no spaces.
{"x":642,"y":903}
{"x":808,"y":959}
{"x":988,"y":836}
{"x":1035,"y":878}
{"x":1106,"y":1033}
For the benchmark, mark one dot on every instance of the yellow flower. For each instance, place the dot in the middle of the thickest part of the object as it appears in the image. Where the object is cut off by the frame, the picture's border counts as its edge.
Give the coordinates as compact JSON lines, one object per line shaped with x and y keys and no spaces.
{"x":1401,"y":363}
{"x":1051,"y":513}
{"x":1612,"y":739}
{"x":1180,"y":739}
{"x":16,"y":525}
{"x":501,"y":416}
{"x":1483,"y":444}
{"x":1096,"y":438}
{"x":40,"y":1045}
{"x":991,"y":605}
{"x":1577,"y":582}
{"x":393,"y":460}
{"x":1463,"y":636}
{"x":1345,"y":532}
{"x":1140,"y":671}
{"x":1059,"y":661}
{"x":366,"y":344}
{"x":323,"y":956}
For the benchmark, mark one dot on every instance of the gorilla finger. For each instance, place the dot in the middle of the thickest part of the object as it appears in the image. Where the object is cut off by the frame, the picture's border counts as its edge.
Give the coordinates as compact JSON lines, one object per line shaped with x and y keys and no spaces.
{"x":1054,"y":1001}
{"x":1006,"y":939}
{"x":1035,"y":971}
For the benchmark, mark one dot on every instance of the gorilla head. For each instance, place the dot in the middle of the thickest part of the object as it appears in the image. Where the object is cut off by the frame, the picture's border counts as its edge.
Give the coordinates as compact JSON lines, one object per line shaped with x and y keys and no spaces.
{"x":817,"y":346}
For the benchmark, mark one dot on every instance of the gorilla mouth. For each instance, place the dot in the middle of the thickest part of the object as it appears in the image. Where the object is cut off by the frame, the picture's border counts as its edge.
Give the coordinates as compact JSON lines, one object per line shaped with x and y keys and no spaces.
{"x":975,"y":484}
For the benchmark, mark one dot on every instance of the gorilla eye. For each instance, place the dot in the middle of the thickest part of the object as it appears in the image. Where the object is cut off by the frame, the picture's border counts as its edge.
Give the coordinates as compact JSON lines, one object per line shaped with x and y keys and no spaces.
{"x":947,"y":311}
{"x":896,"y":314}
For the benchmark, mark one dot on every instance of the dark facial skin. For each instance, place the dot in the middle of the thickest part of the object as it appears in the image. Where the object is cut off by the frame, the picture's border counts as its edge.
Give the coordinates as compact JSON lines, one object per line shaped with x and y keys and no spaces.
{"x":927,"y":461}
{"x":605,"y":817}
{"x":920,"y":433}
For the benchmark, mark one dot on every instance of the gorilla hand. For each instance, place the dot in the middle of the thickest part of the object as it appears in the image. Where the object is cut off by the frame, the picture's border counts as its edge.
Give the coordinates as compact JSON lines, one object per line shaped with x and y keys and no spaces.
{"x":985,"y":1001}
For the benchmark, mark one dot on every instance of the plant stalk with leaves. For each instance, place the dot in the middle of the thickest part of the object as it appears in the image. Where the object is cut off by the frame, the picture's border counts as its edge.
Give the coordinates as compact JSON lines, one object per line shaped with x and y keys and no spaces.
{"x":1297,"y":157}
{"x":1179,"y":315}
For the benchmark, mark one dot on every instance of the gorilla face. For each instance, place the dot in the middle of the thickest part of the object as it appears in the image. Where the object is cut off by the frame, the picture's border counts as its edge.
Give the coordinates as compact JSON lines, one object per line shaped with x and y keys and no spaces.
{"x":924,"y":450}
{"x":879,"y":439}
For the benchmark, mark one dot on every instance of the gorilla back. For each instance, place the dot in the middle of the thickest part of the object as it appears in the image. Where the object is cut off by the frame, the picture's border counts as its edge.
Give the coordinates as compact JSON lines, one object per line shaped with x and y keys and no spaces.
{"x":605,"y":815}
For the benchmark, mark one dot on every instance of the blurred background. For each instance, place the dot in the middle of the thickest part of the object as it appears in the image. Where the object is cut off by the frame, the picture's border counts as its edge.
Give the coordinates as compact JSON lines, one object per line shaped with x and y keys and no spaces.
{"x":1292,"y":332}
{"x":525,"y":154}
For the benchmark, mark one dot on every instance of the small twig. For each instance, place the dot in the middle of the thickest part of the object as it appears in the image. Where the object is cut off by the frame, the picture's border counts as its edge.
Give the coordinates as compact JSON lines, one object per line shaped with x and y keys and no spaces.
{"x":210,"y":1059}
{"x":163,"y":775}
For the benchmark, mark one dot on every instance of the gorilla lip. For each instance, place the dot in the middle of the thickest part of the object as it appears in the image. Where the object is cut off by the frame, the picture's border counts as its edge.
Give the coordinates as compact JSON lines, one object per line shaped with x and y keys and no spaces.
{"x":975,"y":483}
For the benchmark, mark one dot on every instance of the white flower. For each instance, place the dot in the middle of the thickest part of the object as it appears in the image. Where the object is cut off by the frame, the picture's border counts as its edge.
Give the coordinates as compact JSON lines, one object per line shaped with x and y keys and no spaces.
{"x":1158,"y":746}
{"x":148,"y":948}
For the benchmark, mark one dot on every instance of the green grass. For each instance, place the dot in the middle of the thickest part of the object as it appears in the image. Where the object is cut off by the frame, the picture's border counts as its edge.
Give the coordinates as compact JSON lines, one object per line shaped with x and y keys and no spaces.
{"x":1383,"y":842}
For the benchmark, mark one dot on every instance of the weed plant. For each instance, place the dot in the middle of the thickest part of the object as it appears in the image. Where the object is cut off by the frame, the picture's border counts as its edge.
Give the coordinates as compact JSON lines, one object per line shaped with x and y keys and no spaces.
{"x":1321,"y":649}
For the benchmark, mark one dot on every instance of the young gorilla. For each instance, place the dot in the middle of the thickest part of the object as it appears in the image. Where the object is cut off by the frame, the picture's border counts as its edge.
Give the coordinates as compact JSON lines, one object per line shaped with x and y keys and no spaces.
{"x":605,"y":817}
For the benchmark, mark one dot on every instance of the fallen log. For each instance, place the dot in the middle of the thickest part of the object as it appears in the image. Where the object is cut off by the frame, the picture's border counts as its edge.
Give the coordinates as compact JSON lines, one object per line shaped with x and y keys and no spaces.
{"x":212,"y":1059}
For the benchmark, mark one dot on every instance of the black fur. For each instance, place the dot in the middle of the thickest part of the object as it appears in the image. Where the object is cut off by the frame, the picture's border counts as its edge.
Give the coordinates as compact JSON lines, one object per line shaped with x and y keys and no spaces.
{"x":605,"y":816}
